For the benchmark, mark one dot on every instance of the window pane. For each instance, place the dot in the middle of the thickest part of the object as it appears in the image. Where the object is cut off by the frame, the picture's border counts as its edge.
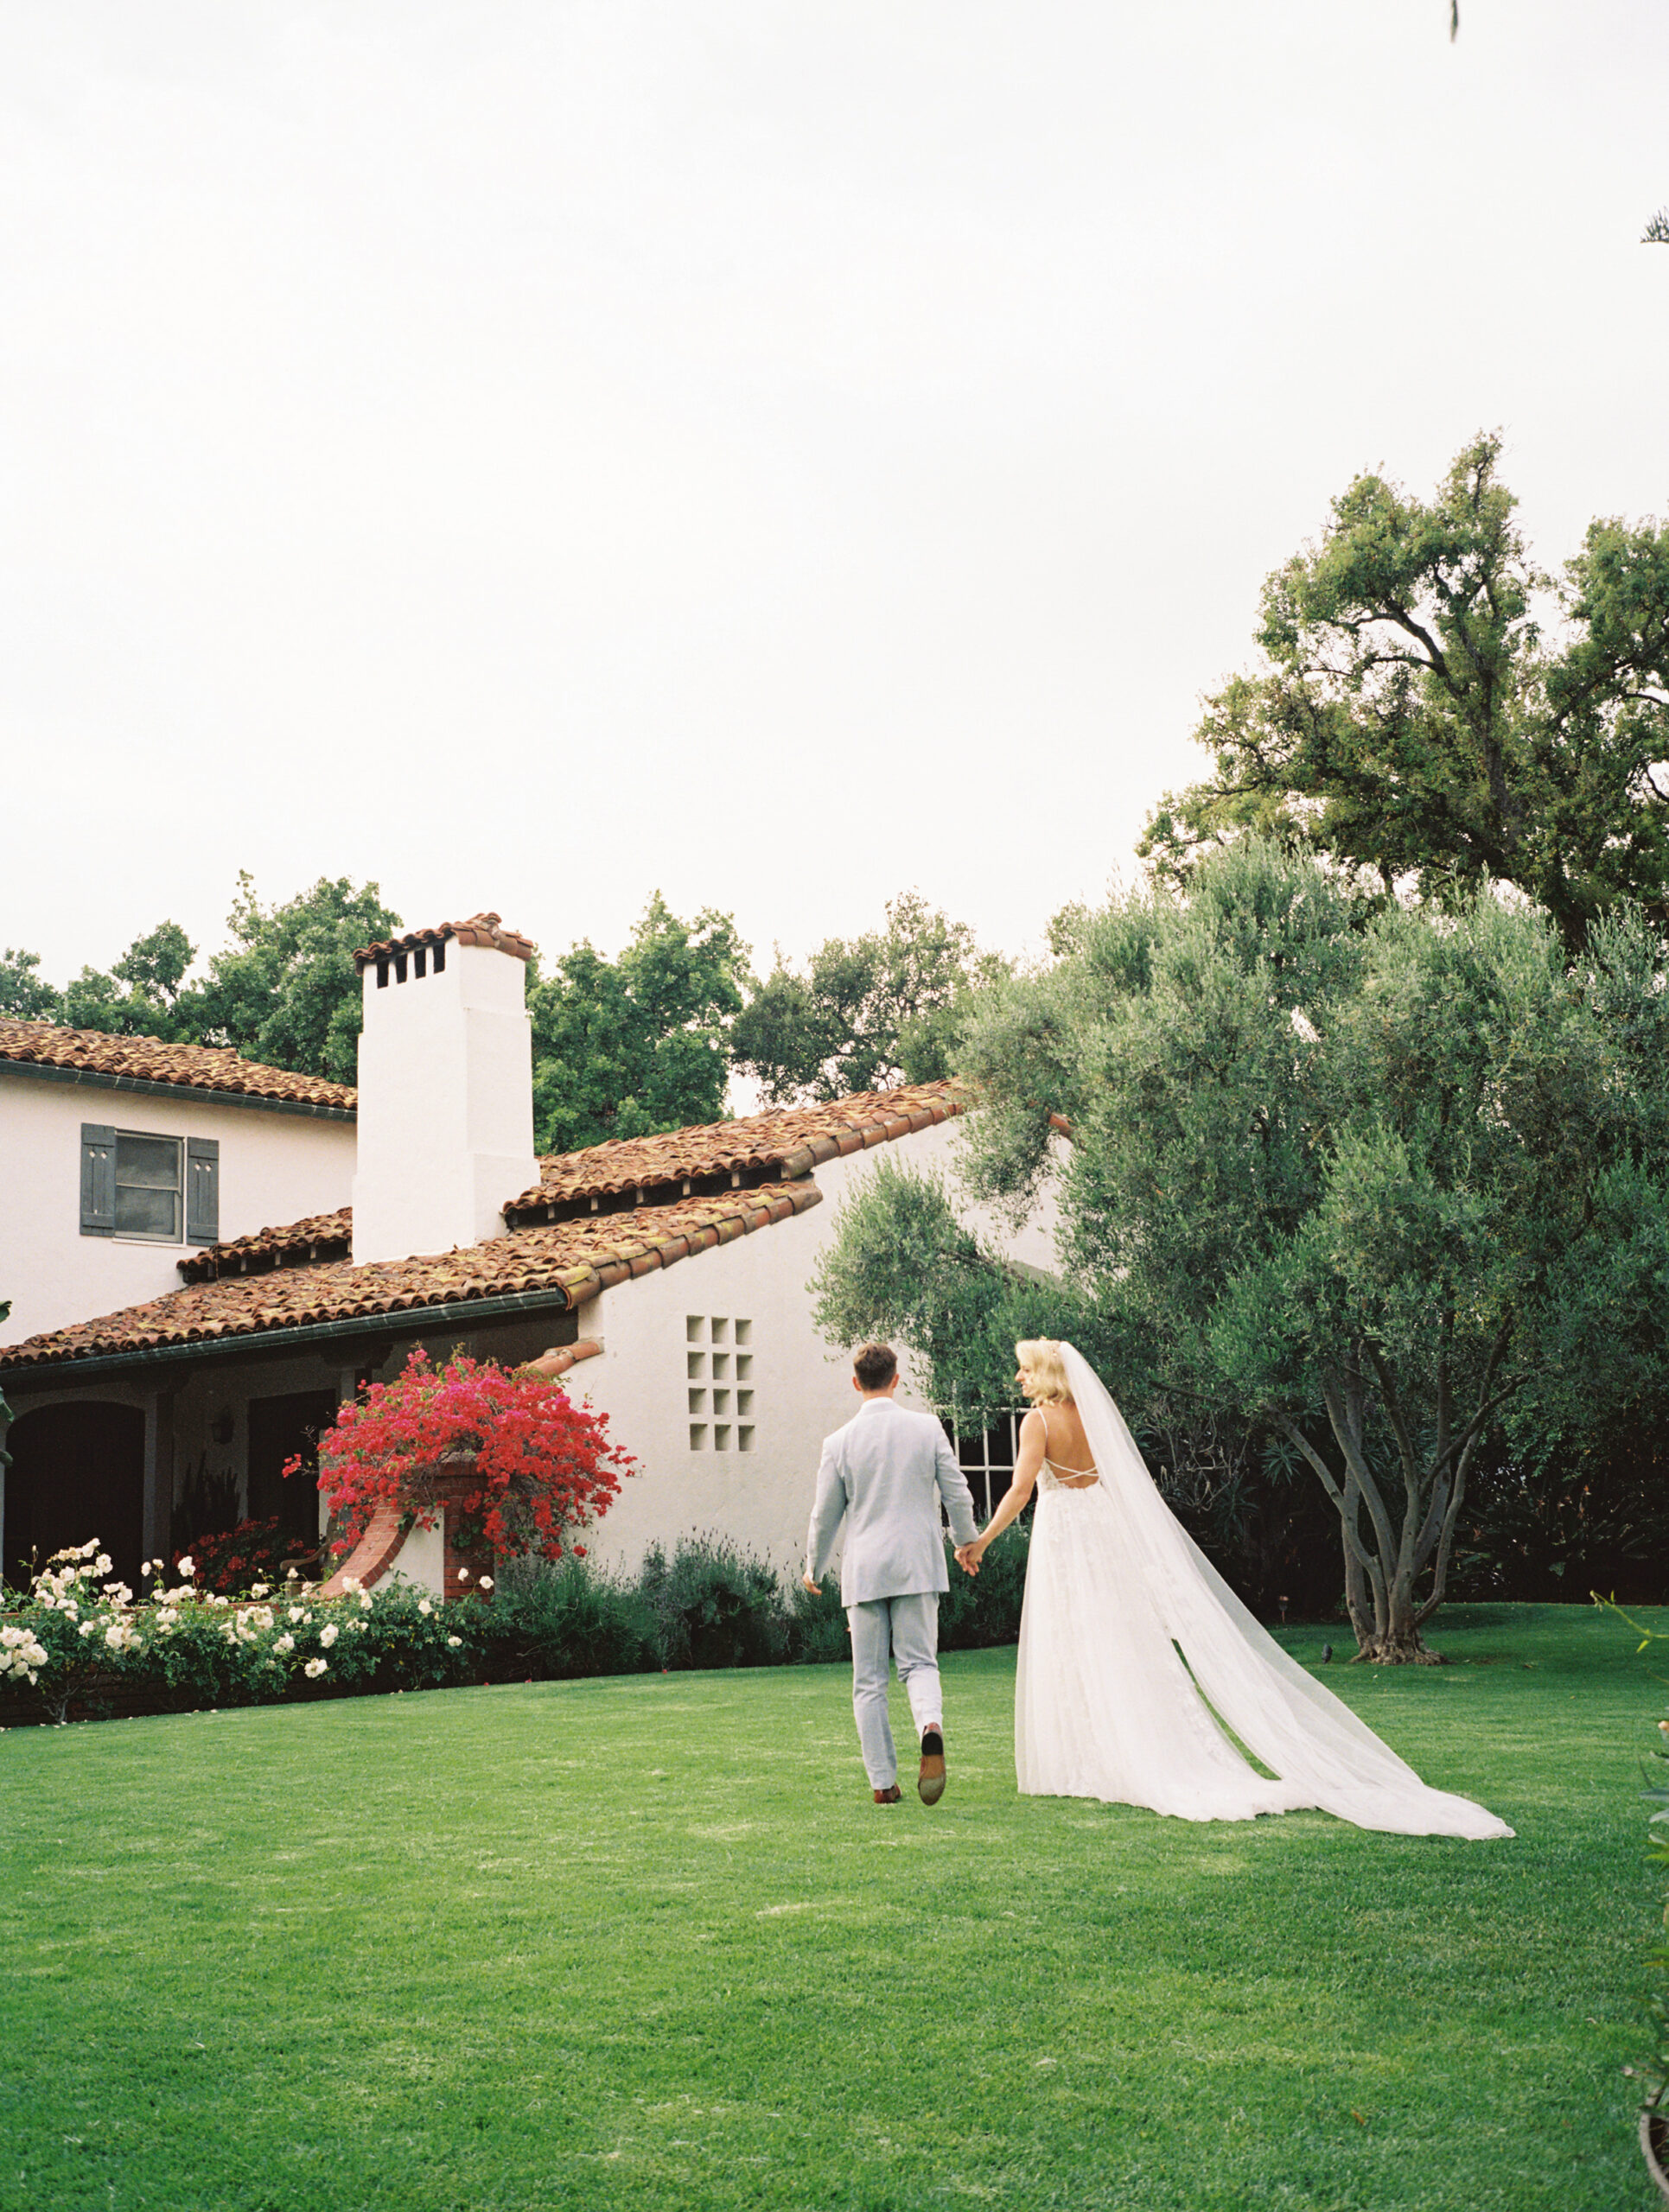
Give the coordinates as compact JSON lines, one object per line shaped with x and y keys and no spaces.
{"x":147,"y":1213}
{"x":152,"y":1162}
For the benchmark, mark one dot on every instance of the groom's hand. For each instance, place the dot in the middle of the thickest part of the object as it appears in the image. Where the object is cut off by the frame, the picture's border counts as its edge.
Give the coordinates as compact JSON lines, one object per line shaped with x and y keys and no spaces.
{"x":967,"y":1559}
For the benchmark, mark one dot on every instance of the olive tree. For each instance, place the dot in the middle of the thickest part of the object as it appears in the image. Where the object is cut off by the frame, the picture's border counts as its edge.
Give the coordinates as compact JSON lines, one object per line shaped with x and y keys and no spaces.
{"x":1376,"y":1177}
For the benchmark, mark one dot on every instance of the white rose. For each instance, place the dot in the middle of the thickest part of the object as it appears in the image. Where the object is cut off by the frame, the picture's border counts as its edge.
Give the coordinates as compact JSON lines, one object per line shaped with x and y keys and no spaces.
{"x":455,"y":1641}
{"x":327,"y":1635}
{"x":185,"y":1568}
{"x":313,"y":1669}
{"x":286,"y":1644}
{"x":423,"y":1606}
{"x":258,"y":1589}
{"x":89,"y":1628}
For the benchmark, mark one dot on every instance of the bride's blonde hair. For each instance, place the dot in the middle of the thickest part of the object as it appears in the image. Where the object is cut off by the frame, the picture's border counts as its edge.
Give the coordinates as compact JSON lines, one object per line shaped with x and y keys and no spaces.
{"x":1040,"y":1358}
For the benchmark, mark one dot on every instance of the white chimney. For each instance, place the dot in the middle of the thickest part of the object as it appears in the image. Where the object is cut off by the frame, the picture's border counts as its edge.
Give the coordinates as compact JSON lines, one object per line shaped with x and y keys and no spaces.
{"x":445,"y":1088}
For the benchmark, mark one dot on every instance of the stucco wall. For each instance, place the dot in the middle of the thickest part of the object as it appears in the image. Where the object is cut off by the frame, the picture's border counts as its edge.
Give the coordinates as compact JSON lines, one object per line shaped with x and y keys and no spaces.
{"x":274,"y":1168}
{"x":801,"y":1386}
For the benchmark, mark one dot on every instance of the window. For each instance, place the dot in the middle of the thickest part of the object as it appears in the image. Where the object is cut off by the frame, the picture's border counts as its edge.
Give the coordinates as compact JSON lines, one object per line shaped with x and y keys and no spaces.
{"x":158,"y":1188}
{"x":712,"y":1367}
{"x":987,"y":1458}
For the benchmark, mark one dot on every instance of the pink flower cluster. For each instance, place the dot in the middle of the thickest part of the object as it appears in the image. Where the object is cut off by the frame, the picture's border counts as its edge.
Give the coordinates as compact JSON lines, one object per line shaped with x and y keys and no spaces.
{"x":543,"y":1465}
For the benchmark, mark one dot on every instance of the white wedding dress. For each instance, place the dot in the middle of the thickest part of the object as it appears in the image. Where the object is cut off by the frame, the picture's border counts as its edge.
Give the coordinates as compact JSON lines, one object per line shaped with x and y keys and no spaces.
{"x":1117,"y":1597}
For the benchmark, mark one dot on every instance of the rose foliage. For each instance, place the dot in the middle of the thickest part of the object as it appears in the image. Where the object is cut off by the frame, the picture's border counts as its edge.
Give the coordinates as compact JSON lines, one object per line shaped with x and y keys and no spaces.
{"x":545,"y":1466}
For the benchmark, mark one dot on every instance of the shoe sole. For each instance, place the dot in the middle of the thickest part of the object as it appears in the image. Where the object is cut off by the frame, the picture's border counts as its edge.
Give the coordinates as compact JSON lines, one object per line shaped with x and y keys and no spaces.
{"x":930,"y":1782}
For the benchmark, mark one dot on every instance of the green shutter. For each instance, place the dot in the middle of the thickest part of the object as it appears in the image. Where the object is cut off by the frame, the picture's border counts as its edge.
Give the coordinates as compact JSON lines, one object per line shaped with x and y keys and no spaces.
{"x":202,"y":1191}
{"x":97,"y":1180}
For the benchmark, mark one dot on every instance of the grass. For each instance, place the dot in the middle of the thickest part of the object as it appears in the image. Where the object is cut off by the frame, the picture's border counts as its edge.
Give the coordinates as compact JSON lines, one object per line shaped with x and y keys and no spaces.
{"x":644,"y":1943}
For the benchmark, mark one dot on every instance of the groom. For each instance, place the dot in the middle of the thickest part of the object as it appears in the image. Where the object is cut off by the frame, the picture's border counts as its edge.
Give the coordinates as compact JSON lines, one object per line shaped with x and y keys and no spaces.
{"x":884,"y":1475}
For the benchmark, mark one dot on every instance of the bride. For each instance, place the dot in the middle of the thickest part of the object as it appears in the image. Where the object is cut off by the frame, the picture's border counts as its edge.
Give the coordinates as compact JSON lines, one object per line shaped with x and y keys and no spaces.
{"x":1136,"y":1658}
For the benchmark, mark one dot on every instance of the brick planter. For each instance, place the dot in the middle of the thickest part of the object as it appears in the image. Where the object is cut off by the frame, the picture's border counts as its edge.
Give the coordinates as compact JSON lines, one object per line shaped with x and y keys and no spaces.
{"x":445,"y":1486}
{"x":448,"y":1485}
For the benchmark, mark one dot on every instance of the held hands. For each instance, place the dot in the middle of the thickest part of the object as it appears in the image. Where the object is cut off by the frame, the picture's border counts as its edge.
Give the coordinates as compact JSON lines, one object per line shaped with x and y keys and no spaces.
{"x":968,"y":1556}
{"x":806,"y":1582}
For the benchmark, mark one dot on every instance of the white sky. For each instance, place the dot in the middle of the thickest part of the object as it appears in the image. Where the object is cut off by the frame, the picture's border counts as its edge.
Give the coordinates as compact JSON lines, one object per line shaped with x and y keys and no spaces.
{"x":777,"y":451}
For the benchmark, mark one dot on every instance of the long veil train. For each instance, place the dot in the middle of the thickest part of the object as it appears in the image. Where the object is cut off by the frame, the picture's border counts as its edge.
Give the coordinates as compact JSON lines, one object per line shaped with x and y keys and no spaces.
{"x":1155,"y":1591}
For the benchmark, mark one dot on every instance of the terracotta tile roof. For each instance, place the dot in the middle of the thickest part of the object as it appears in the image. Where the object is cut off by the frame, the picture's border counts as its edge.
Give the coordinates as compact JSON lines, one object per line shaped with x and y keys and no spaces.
{"x":790,"y":1144}
{"x":578,"y":1258}
{"x":781,"y":1146}
{"x":480,"y":929}
{"x":321,"y":1237}
{"x":151,"y":1059}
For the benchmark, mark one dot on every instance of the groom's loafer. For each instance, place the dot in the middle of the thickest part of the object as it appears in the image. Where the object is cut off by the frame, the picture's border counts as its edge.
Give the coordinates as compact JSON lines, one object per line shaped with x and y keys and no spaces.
{"x":930,"y":1782}
{"x":889,"y":1795}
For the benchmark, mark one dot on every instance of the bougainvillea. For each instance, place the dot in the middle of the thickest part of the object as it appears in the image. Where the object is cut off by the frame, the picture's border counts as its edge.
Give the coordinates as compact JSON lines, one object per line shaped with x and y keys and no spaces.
{"x":545,"y":1466}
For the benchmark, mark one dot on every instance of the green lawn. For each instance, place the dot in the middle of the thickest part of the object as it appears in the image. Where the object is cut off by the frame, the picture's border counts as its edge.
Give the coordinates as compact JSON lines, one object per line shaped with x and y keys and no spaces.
{"x":645,"y":1942}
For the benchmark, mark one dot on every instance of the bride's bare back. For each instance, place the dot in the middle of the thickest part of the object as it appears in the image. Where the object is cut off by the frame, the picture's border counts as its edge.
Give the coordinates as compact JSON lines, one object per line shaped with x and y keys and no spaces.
{"x":1066,"y":1451}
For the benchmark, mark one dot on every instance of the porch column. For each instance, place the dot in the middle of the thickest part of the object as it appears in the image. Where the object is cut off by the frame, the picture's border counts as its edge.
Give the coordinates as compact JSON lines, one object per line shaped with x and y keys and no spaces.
{"x":157,"y":1516}
{"x":5,"y":1423}
{"x":348,"y":1380}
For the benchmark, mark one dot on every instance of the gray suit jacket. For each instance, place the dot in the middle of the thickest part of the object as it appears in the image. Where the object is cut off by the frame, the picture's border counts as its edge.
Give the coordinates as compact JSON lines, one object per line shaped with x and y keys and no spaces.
{"x":884,"y":1475}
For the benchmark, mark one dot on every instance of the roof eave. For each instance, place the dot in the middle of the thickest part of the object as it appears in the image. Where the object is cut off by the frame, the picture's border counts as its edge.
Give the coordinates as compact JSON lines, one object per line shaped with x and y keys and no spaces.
{"x":580,"y":1284}
{"x":406,"y":1321}
{"x":145,"y":1087}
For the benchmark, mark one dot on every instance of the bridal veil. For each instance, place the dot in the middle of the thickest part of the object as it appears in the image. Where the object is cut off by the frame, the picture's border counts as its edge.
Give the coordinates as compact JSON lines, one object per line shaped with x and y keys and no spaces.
{"x":1155,"y":1592}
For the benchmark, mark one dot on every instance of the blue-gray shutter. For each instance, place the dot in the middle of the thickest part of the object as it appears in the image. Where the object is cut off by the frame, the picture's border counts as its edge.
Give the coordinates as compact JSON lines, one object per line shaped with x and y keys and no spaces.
{"x":97,"y":1180}
{"x":202,"y":1190}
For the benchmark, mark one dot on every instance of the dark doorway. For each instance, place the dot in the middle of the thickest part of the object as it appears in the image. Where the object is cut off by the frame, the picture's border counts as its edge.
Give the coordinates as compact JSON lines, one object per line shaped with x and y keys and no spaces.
{"x":76,"y":1472}
{"x":278,"y":1428}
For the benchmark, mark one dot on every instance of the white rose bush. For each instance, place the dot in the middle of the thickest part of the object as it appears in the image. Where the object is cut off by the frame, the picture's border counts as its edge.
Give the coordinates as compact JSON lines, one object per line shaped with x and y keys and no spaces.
{"x":79,"y":1637}
{"x":79,"y":1643}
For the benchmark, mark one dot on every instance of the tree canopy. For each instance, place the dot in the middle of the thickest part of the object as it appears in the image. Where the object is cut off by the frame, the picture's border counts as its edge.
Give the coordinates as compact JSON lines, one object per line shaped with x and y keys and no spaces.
{"x":25,"y":995}
{"x":868,"y":1011}
{"x":1416,"y":717}
{"x":630,"y":1047}
{"x":1372,"y":1181}
{"x":285,"y":991}
{"x":141,"y":995}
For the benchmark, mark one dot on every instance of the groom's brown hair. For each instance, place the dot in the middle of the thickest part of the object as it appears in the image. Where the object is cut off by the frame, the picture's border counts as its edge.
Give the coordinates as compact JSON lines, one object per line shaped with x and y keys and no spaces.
{"x":874,"y":1366}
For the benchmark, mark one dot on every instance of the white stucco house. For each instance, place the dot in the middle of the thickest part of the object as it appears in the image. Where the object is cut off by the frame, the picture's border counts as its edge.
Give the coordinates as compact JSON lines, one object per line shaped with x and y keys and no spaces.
{"x":124,"y":1154}
{"x":674,"y":1269}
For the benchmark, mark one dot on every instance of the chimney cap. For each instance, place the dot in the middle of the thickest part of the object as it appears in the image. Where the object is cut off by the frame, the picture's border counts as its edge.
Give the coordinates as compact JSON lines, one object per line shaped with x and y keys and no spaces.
{"x":481,"y":929}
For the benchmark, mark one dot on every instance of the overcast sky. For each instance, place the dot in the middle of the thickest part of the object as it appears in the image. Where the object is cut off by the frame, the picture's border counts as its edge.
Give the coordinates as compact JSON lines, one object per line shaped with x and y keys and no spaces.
{"x":529,"y":453}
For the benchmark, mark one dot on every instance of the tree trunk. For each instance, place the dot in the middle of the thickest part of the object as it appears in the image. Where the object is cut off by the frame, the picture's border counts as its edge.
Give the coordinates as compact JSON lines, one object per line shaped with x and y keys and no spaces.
{"x":1399,"y":1646}
{"x":1358,"y":1598}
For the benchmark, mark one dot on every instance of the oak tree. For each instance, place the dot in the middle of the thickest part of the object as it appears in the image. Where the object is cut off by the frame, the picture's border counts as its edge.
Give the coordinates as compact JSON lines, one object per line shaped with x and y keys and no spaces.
{"x":1430,"y":707}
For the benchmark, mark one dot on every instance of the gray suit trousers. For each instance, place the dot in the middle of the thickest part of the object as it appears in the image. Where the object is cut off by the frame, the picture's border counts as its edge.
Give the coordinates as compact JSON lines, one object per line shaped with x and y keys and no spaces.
{"x":907,"y":1628}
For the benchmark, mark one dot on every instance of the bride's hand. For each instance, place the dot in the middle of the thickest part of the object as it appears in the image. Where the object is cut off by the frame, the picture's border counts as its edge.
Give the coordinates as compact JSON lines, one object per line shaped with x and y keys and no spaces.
{"x":968,"y":1556}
